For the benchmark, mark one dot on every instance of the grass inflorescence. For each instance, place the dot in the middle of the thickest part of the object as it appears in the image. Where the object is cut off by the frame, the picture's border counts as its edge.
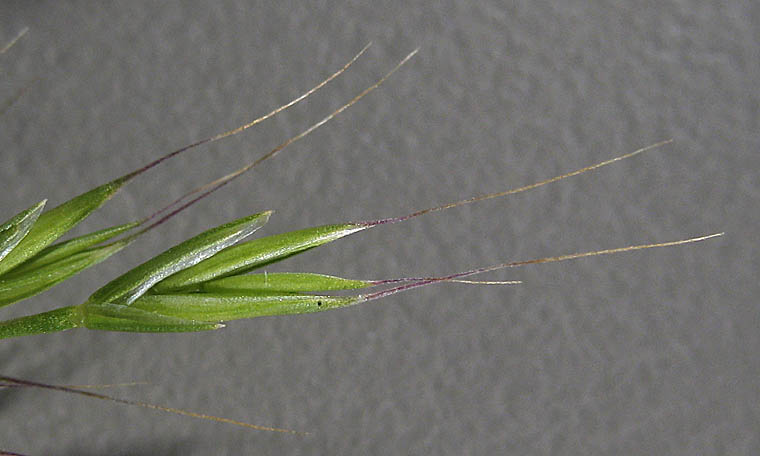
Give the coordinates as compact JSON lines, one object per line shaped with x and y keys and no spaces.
{"x":204,"y":282}
{"x":208,"y":280}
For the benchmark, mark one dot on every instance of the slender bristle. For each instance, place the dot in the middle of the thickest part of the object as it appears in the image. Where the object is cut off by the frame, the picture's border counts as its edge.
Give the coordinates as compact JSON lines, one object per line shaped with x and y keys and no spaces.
{"x":376,"y":283}
{"x":213,"y":186}
{"x":572,"y":256}
{"x":222,"y":181}
{"x":161,"y":408}
{"x":14,"y":40}
{"x":250,"y":124}
{"x":513,"y":191}
{"x":95,"y":386}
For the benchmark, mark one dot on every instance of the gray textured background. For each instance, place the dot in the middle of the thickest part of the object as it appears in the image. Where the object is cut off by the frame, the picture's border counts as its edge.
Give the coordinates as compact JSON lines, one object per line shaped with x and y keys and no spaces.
{"x":655,"y":352}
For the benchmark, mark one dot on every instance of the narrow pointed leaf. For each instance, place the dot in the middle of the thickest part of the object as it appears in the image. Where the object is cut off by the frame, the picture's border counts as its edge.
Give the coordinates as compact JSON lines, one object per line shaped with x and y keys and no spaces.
{"x":282,"y":281}
{"x":116,"y":317}
{"x":16,"y":286}
{"x":55,"y":252}
{"x":256,"y":253}
{"x":54,"y":223}
{"x":128,"y":287}
{"x":15,"y":229}
{"x":221,"y":307}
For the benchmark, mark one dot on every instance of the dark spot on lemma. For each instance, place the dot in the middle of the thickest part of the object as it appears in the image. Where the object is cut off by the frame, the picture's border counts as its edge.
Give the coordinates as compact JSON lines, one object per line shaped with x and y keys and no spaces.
{"x":319,"y":303}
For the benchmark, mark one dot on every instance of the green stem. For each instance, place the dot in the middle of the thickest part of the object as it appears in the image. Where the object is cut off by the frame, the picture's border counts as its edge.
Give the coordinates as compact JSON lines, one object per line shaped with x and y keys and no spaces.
{"x":42,"y":323}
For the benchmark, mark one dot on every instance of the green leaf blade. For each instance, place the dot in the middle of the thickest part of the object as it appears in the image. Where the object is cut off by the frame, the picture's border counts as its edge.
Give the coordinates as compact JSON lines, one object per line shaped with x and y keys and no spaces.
{"x":14,"y":230}
{"x":131,"y":285}
{"x":54,"y":223}
{"x":254,"y":254}
{"x":282,"y":281}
